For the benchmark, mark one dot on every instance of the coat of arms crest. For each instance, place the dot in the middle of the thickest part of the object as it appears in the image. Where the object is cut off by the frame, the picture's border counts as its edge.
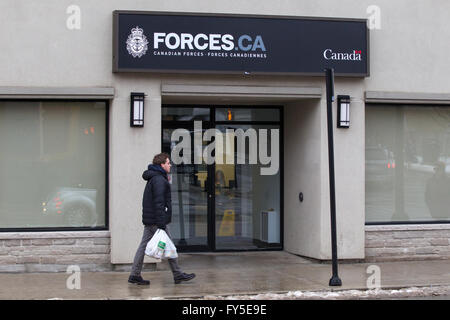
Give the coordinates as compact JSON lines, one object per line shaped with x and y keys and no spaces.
{"x":137,"y":42}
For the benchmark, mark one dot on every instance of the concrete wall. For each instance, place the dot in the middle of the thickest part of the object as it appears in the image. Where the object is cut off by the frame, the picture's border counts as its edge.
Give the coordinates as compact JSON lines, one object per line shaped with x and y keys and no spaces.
{"x":131,"y":150}
{"x":302,"y":220}
{"x":307,"y":223}
{"x":349,"y":156}
{"x":408,"y":53}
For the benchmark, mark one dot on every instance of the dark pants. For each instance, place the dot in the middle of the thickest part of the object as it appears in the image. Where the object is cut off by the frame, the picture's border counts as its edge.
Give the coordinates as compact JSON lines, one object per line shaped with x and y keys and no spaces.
{"x":149,"y":231}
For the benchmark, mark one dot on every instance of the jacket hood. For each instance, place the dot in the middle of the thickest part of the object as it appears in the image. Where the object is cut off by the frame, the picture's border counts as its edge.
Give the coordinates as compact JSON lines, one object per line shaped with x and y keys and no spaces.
{"x":153,"y":170}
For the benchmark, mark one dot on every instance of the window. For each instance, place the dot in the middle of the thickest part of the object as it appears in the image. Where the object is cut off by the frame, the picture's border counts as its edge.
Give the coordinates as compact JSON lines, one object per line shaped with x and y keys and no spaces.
{"x":247,"y":114}
{"x":185,"y":114}
{"x":407,"y":164}
{"x":52,"y":164}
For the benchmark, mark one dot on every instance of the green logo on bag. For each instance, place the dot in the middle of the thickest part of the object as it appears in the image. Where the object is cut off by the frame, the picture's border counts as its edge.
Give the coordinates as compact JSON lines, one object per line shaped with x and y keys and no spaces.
{"x":161,"y":245}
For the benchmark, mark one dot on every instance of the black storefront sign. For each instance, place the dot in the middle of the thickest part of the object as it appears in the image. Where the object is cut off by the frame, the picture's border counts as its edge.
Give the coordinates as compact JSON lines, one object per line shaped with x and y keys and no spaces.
{"x":236,"y":44}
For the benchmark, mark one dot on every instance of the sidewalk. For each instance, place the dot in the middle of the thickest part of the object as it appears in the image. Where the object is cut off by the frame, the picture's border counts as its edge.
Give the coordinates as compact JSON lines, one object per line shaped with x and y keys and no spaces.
{"x":223,"y":274}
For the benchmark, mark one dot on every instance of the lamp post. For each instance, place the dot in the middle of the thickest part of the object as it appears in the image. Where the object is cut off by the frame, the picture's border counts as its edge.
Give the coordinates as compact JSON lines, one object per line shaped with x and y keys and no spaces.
{"x":329,"y":75}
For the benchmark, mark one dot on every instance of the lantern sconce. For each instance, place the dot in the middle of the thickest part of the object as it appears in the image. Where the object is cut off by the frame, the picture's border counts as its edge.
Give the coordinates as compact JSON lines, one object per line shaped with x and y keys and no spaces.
{"x":343,"y":112}
{"x":137,"y":109}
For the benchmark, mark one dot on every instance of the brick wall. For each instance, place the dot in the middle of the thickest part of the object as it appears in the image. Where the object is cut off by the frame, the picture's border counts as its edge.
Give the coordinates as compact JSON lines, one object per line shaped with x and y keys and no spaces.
{"x":54,"y":251}
{"x":407,"y":242}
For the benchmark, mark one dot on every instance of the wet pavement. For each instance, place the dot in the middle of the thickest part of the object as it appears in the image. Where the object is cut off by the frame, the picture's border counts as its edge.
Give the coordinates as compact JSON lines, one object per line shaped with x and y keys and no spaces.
{"x":225,"y":274}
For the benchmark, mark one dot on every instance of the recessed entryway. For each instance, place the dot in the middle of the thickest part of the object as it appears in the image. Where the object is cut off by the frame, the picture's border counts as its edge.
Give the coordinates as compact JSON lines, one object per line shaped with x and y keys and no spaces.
{"x":235,"y":201}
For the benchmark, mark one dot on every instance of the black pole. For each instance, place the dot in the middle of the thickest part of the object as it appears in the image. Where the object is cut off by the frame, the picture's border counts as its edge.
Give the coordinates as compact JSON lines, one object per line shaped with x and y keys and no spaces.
{"x":329,"y":73}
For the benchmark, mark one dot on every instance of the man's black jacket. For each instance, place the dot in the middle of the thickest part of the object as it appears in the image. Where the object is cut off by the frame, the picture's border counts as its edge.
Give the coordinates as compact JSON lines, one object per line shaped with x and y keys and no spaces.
{"x":156,"y":203}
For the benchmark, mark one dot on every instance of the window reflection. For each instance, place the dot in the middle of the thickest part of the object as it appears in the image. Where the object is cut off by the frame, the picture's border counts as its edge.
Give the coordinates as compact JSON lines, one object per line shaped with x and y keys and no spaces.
{"x":52,"y":168}
{"x":407,"y":163}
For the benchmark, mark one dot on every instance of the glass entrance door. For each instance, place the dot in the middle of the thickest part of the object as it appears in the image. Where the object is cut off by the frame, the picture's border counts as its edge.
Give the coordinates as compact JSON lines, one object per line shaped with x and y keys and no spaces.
{"x":190,"y":185}
{"x":247,"y":200}
{"x":233,"y":202}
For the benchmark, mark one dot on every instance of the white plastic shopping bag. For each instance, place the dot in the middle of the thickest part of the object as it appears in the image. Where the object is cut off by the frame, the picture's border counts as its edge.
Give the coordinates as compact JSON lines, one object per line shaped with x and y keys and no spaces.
{"x":156,"y":245}
{"x":160,"y":246}
{"x":171,"y":251}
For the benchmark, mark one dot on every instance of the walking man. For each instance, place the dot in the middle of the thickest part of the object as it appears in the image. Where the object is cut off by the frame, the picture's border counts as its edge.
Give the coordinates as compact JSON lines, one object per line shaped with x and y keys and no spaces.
{"x":156,"y":214}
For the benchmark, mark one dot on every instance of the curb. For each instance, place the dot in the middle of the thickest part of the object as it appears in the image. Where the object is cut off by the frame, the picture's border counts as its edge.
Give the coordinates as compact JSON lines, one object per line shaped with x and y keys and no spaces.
{"x":355,"y":293}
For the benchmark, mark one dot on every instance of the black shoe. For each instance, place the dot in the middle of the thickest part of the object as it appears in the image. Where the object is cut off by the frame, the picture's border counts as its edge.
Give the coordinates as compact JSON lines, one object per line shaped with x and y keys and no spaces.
{"x":184,"y":277}
{"x":138,"y":280}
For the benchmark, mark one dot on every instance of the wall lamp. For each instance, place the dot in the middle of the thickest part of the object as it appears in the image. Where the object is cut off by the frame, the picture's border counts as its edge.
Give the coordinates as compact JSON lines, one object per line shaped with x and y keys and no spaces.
{"x":137,"y":109}
{"x":343,"y":111}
